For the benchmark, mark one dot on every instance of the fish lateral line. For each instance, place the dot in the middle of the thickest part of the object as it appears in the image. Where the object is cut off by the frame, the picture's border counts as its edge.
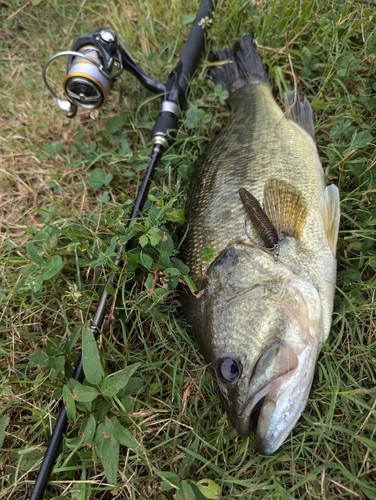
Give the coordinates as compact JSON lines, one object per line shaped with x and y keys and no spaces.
{"x":261,"y":222}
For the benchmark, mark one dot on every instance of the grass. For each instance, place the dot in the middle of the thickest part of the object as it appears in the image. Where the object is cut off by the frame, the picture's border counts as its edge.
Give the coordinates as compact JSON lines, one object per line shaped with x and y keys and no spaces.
{"x":148,"y":424}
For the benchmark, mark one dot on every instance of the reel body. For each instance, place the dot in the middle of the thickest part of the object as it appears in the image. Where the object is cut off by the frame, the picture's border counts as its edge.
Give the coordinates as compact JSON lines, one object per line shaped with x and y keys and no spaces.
{"x":94,"y":63}
{"x":84,"y":84}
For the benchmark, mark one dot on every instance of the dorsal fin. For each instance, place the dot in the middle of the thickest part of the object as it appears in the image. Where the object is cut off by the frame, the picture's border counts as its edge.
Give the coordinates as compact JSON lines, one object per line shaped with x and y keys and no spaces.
{"x":300,"y":112}
{"x":286,"y":207}
{"x":330,"y":211}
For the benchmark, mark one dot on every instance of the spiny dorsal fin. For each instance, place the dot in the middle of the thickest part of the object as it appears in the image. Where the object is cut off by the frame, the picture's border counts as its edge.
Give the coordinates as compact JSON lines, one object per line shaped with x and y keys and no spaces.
{"x":286,"y":207}
{"x":299,"y":112}
{"x":330,"y":211}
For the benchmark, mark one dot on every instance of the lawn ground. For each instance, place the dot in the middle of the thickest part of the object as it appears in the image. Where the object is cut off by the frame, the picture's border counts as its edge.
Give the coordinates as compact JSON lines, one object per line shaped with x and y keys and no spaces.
{"x":150,"y":424}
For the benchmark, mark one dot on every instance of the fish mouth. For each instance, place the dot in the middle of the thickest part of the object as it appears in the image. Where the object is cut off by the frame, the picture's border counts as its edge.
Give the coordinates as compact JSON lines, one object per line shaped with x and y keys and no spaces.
{"x":276,"y":392}
{"x":254,"y":411}
{"x":276,"y":397}
{"x":254,"y":416}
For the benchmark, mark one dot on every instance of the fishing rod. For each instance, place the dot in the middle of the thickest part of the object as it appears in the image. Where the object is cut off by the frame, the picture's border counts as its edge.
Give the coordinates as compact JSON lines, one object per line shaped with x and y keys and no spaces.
{"x":94,"y":63}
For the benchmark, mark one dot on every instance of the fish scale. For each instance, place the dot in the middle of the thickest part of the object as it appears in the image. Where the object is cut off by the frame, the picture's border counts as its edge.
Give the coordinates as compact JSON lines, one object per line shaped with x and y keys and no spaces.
{"x":260,"y":319}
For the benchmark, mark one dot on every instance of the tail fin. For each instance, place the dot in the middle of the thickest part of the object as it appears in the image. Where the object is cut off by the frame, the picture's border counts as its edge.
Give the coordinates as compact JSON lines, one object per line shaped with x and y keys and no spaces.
{"x":242,"y":65}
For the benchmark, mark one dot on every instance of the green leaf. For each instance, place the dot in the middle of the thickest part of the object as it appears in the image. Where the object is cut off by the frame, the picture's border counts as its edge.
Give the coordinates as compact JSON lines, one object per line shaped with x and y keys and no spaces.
{"x":124,"y":436}
{"x":167,"y":243}
{"x":107,"y":179}
{"x":29,"y":270}
{"x":188,"y":19}
{"x":102,"y":410}
{"x":191,"y":114}
{"x":143,"y":240}
{"x":53,"y":348}
{"x":33,"y":254}
{"x":149,"y":282}
{"x":91,"y":359}
{"x":209,"y":489}
{"x":39,"y":358}
{"x":146,"y":260}
{"x":135,"y":384}
{"x":155,"y":236}
{"x":84,"y":393}
{"x":87,"y":429}
{"x":178,"y":215}
{"x":172,"y":271}
{"x":108,"y":449}
{"x":115,"y":124}
{"x":54,"y":148}
{"x":172,"y":277}
{"x":188,"y":280}
{"x":101,"y":261}
{"x":96,"y":178}
{"x":115,"y":382}
{"x":52,"y":267}
{"x":110,"y":289}
{"x":28,"y":459}
{"x":3,"y":425}
{"x":208,"y":254}
{"x":184,"y":269}
{"x":319,"y":104}
{"x":357,"y":167}
{"x":8,"y":23}
{"x":361,"y":140}
{"x":164,"y":260}
{"x":185,"y":492}
{"x":368,"y":102}
{"x":170,"y":480}
{"x":99,"y":179}
{"x":350,"y":276}
{"x":69,"y":404}
{"x":57,"y":363}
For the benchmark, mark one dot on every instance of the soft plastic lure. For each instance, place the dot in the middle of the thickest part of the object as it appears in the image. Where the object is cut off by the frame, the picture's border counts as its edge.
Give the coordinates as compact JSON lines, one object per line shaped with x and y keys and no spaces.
{"x":261,"y":222}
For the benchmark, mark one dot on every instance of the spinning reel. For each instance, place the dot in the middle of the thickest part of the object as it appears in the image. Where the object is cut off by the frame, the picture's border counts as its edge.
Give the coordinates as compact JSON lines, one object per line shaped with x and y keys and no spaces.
{"x":94,"y":63}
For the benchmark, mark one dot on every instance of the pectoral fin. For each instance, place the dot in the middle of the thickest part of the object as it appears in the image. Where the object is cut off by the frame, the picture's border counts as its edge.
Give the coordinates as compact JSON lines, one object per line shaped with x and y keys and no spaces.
{"x":286,"y":207}
{"x":330,"y":211}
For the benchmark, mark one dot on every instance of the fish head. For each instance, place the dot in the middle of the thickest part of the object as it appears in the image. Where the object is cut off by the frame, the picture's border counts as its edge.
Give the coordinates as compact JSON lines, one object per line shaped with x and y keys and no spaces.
{"x":261,"y":326}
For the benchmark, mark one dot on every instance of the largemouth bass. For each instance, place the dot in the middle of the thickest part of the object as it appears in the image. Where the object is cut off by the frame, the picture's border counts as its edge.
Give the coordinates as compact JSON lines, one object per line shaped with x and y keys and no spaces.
{"x":259,"y":200}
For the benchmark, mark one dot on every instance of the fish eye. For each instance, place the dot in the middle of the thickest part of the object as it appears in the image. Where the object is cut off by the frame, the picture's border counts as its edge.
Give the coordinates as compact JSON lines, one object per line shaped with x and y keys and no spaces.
{"x":229,"y":369}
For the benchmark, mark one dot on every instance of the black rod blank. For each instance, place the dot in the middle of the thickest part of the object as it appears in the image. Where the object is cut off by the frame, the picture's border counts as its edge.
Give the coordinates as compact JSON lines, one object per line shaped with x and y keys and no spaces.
{"x":177,"y":87}
{"x":62,"y":421}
